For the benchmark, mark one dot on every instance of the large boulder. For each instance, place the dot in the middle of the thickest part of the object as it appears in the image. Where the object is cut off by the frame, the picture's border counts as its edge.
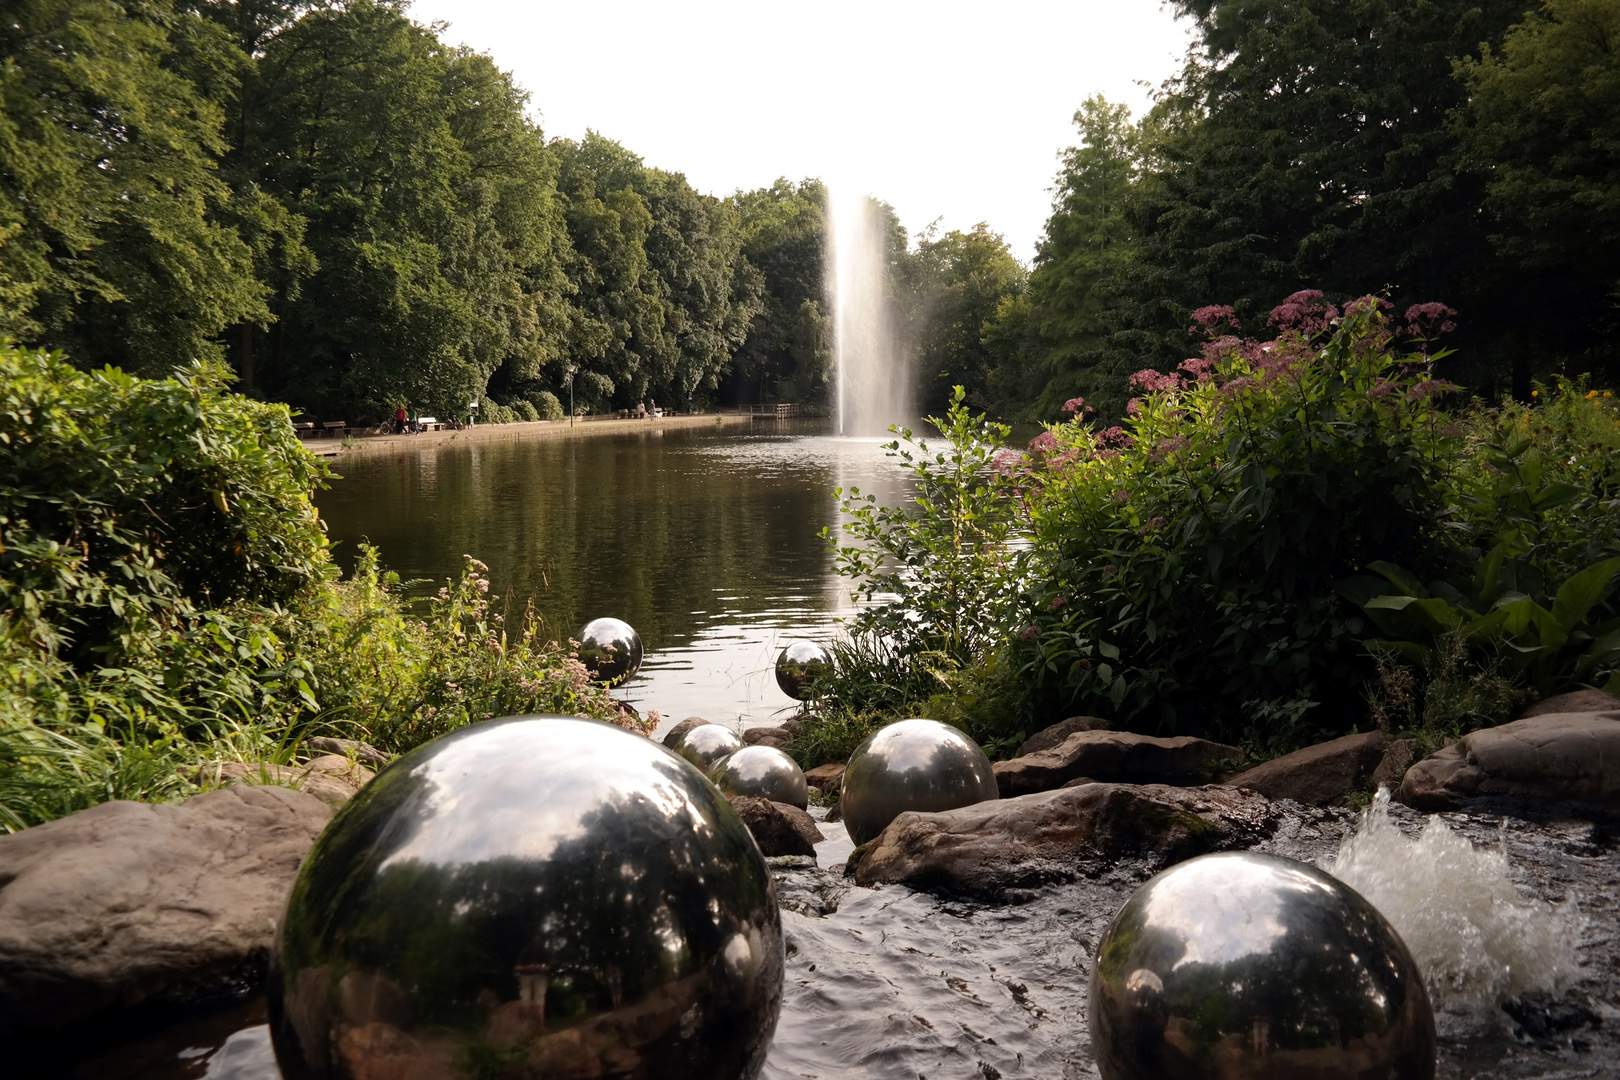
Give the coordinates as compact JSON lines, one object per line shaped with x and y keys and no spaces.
{"x":1047,"y":738}
{"x":366,"y":754}
{"x":776,"y":736}
{"x":1326,"y":773}
{"x":1002,"y":848}
{"x":331,"y":778}
{"x":826,"y":776}
{"x":1576,"y":701}
{"x":1557,"y":761}
{"x":128,"y":904}
{"x":1118,"y":757}
{"x":779,"y":829}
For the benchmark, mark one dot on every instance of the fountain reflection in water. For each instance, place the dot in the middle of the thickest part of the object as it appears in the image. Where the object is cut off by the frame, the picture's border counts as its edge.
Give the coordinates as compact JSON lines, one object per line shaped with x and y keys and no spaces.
{"x":1475,"y":940}
{"x":873,"y":378}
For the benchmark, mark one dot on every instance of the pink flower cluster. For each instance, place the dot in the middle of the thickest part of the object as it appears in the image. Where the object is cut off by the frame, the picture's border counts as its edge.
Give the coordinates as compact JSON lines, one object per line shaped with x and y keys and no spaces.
{"x":1423,"y":320}
{"x":1114,"y":436}
{"x":1148,"y":381}
{"x":1430,"y":388}
{"x":1074,"y":405}
{"x":1044,"y":443}
{"x":1207,"y":319}
{"x":1305,"y":312}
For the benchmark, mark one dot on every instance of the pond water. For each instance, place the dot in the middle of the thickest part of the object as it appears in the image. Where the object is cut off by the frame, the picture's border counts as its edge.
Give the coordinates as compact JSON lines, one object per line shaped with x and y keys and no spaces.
{"x":707,"y":541}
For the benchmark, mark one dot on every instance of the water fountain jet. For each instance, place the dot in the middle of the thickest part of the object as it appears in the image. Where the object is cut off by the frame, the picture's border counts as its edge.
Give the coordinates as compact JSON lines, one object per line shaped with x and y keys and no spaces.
{"x":873,"y":379}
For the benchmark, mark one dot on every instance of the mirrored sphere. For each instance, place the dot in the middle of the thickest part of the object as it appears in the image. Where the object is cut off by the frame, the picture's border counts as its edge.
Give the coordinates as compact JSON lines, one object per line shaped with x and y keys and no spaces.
{"x":707,"y":745}
{"x":610,"y":649}
{"x":912,"y":765}
{"x":536,"y":896}
{"x":763,"y":772}
{"x":799,"y":664}
{"x":1245,"y":965}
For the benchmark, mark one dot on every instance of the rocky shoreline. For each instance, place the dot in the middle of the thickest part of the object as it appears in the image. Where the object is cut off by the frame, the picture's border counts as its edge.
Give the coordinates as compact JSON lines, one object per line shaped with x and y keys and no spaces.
{"x":128,"y":916}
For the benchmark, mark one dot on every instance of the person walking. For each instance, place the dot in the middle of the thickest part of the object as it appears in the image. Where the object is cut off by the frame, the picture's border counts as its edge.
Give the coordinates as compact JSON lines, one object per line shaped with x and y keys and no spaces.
{"x":399,"y":420}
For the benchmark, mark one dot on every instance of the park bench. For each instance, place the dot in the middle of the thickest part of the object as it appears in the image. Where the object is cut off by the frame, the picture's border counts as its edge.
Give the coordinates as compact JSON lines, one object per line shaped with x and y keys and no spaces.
{"x":305,"y":429}
{"x":335,"y":428}
{"x":429,"y":423}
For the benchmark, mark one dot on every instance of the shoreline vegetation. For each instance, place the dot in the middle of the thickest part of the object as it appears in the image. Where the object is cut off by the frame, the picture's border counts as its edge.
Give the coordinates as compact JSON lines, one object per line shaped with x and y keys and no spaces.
{"x":527,"y":429}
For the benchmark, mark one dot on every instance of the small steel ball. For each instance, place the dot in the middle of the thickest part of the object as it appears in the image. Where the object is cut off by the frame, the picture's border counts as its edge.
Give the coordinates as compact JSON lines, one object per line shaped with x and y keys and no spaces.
{"x":544,"y":895}
{"x":1245,"y":965}
{"x":763,"y":772}
{"x":610,"y":649}
{"x":912,"y":765}
{"x":799,"y":665}
{"x":706,"y":746}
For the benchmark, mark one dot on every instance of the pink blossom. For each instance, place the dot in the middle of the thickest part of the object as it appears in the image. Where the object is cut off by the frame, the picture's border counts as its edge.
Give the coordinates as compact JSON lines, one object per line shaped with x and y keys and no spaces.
{"x":1044,"y":443}
{"x":1105,"y":455}
{"x":1430,"y":388}
{"x":1005,"y":461}
{"x":1029,"y":633}
{"x":1422,"y":320}
{"x":1367,"y":303}
{"x":1151,"y":382}
{"x":1074,"y":404}
{"x":1114,"y":436}
{"x":1057,"y":602}
{"x":1133,"y":407}
{"x":1208,"y":318}
{"x":1122,"y":495}
{"x":1166,"y":447}
{"x":1152,"y":524}
{"x":1382,"y":389}
{"x":1199,"y":368}
{"x":1305,"y":311}
{"x":1238,"y":385}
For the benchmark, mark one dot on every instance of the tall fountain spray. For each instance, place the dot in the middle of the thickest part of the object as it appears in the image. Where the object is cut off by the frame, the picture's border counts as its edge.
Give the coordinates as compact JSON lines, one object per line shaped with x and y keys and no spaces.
{"x":873,"y":375}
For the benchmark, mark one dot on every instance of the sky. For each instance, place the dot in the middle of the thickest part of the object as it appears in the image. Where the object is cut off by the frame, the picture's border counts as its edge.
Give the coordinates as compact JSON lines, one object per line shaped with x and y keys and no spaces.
{"x":950,"y":112}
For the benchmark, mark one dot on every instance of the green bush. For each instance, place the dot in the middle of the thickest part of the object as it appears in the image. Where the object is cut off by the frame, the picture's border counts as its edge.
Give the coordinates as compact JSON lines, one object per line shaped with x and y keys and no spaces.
{"x":131,"y":504}
{"x":170,"y":602}
{"x":1185,"y":570}
{"x":547,"y":406}
{"x":525,"y":410}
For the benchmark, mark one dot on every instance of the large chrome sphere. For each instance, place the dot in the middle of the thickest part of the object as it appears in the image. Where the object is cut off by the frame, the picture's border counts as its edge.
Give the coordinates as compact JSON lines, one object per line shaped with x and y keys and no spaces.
{"x":537,"y":896}
{"x":799,"y":664}
{"x":912,"y":765}
{"x":1245,"y":965}
{"x":610,"y":649}
{"x":764,"y":772}
{"x":707,"y":745}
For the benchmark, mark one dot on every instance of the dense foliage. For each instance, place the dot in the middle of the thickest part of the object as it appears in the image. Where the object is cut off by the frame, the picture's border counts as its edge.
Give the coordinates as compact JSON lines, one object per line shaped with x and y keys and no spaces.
{"x":1446,"y":148}
{"x":1286,"y":539}
{"x":169,"y":600}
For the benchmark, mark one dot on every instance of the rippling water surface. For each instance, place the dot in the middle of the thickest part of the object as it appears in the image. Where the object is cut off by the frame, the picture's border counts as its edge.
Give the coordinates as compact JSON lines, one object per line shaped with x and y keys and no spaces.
{"x":706,"y":541}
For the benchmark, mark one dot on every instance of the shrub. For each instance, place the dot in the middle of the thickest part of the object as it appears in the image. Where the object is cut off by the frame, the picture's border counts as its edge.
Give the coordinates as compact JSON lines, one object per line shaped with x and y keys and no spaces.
{"x":524,"y":410}
{"x":547,"y":405}
{"x":1184,"y":571}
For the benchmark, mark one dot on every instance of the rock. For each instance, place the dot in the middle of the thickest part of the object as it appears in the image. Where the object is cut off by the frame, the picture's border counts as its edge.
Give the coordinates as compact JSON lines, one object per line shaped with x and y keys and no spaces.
{"x":1576,"y":701}
{"x":778,"y":736}
{"x":1393,"y":765}
{"x":128,"y":904}
{"x":364,"y":753}
{"x":1047,"y":738}
{"x":1319,"y":775}
{"x":673,"y":737}
{"x":331,"y":778}
{"x":1559,"y":760}
{"x":779,"y":829}
{"x":1115,"y":757}
{"x":823,"y":777}
{"x":1003,"y":848}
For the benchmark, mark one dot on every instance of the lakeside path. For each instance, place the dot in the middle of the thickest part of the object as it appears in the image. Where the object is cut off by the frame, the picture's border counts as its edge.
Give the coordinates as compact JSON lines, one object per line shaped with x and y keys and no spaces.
{"x":531,"y":429}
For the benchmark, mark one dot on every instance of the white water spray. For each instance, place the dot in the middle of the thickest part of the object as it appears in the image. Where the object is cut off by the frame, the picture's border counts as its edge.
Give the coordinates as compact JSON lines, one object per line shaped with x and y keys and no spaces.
{"x":873,"y":378}
{"x":1456,"y":908}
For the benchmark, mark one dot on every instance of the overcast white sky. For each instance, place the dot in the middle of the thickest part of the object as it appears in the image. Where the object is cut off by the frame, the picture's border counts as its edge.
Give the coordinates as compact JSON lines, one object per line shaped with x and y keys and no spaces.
{"x":945,"y":110}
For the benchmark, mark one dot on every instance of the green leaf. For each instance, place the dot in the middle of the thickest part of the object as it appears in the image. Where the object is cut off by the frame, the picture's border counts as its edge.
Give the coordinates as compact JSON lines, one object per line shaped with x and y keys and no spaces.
{"x":1401,"y":579}
{"x":1577,"y":595}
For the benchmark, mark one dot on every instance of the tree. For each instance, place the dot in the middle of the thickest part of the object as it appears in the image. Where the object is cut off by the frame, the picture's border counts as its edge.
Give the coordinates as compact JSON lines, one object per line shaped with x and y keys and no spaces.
{"x":965,"y":277}
{"x":788,"y":346}
{"x":111,"y":240}
{"x":1542,"y":127}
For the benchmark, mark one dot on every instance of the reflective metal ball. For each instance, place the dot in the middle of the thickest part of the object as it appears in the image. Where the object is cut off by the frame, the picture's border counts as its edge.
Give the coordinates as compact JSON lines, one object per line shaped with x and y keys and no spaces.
{"x":707,"y":745}
{"x":799,"y":664}
{"x":537,"y":896}
{"x":763,"y":772}
{"x":610,"y":649}
{"x":1245,"y":965}
{"x":912,"y":765}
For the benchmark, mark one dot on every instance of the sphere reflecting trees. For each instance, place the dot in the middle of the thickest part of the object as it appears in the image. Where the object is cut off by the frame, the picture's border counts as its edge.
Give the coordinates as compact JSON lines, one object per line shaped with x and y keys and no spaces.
{"x":763,"y":772}
{"x":912,"y":765}
{"x":610,"y":649}
{"x":707,"y":746}
{"x":1246,"y":965}
{"x":552,"y":896}
{"x":799,"y":664}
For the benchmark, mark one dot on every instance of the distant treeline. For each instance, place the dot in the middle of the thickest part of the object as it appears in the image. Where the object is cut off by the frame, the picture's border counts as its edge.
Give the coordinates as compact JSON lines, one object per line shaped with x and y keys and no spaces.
{"x":1459,"y":151}
{"x":356,"y":216}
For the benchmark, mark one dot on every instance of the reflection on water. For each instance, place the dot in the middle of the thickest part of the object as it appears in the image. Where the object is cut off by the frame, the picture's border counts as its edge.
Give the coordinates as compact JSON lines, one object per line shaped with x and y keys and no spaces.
{"x":706,"y":541}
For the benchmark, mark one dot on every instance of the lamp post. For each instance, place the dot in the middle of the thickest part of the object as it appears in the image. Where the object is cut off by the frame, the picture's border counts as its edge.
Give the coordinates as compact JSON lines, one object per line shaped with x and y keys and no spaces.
{"x":570,"y":370}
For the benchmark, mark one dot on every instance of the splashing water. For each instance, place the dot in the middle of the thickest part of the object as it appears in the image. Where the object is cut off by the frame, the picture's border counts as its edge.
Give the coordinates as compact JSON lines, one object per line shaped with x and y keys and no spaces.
{"x":1454,"y":905}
